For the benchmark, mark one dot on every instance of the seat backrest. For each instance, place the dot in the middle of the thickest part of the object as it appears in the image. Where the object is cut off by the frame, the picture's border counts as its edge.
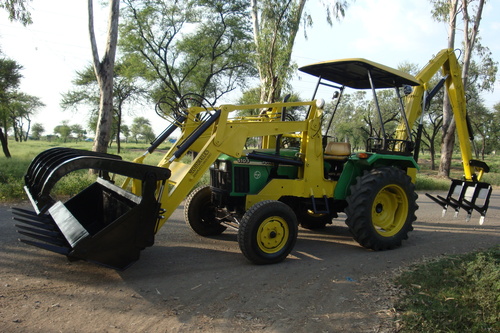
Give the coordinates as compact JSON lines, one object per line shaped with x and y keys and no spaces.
{"x":338,"y":149}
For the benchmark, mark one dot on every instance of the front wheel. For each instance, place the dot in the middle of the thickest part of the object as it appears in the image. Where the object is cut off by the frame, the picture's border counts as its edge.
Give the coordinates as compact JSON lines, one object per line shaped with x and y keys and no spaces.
{"x":381,"y":208}
{"x":199,"y":213}
{"x":267,"y":232}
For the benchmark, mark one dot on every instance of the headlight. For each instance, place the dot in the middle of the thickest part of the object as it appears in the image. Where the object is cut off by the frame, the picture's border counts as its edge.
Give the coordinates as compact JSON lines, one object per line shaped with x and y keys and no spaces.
{"x":223,"y":166}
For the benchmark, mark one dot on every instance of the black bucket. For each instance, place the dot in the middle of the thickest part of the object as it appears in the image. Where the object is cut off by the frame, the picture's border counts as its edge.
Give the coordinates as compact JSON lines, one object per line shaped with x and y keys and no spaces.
{"x":104,"y":223}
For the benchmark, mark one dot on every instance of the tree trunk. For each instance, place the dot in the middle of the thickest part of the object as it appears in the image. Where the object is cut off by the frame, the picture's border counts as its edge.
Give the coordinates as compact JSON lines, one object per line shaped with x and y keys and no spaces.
{"x":470,"y":36}
{"x":104,"y":71}
{"x":432,"y":150}
{"x":5,"y":144}
{"x":269,"y":61}
{"x":448,"y":139}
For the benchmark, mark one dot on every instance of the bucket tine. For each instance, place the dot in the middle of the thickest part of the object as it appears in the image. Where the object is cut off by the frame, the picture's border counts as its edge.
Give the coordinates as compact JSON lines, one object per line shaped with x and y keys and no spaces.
{"x":54,"y":235}
{"x":41,"y":228}
{"x":39,"y":225}
{"x":49,"y":240}
{"x":32,"y":218}
{"x":56,"y":249}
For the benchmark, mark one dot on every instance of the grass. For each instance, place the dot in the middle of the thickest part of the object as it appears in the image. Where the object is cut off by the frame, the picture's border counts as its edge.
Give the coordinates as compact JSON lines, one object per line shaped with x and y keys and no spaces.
{"x":453,"y":294}
{"x":12,"y":169}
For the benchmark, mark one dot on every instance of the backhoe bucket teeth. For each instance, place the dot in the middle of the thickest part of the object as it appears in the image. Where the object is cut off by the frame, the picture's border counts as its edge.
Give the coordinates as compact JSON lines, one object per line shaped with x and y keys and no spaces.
{"x":470,"y":196}
{"x":104,"y":223}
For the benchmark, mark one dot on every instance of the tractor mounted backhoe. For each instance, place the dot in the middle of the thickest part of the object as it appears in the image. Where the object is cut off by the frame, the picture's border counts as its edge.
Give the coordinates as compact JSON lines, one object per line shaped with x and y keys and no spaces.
{"x":269,"y":173}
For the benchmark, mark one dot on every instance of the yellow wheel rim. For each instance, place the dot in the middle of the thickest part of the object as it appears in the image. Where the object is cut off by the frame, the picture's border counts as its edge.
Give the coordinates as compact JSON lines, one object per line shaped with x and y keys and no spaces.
{"x":390,"y":210}
{"x":273,"y":234}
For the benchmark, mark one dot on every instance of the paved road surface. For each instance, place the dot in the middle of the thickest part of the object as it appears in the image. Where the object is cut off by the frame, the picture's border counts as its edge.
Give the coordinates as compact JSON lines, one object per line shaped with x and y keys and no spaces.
{"x":186,"y":282}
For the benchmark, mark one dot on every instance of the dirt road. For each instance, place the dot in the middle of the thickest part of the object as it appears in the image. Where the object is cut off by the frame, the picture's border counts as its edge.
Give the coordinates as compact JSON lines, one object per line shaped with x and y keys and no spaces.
{"x":188,"y":283}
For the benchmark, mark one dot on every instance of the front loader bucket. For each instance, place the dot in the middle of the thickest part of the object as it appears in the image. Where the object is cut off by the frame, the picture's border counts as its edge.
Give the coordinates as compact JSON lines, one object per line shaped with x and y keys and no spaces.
{"x":104,"y":223}
{"x":467,"y":195}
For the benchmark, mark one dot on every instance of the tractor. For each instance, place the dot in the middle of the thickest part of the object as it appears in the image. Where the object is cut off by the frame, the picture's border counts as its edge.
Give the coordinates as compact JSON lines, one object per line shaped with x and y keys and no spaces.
{"x":272,"y":168}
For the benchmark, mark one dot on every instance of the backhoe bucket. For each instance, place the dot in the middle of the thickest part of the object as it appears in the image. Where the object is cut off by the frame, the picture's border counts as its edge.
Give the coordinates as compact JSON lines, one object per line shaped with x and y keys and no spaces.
{"x":467,"y":195}
{"x":104,"y":223}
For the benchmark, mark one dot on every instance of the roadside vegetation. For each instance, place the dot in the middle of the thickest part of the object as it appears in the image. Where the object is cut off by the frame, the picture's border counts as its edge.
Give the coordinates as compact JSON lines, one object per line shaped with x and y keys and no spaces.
{"x":452,"y":294}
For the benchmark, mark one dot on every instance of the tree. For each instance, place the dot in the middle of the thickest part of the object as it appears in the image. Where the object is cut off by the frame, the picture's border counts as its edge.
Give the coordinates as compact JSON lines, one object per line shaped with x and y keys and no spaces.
{"x":10,"y":78}
{"x":448,"y":11}
{"x":126,"y":89}
{"x":64,"y":130}
{"x":275,"y":25}
{"x":433,"y":121}
{"x":141,"y":129}
{"x":125,"y":131}
{"x":18,"y":10}
{"x":78,"y":131}
{"x":20,"y":109}
{"x":210,"y":60}
{"x":494,"y":137}
{"x":104,"y":70}
{"x":37,"y":130}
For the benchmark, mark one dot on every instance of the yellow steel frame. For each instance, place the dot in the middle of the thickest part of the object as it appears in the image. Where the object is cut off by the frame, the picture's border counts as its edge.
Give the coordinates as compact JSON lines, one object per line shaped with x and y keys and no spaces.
{"x":228,"y":135}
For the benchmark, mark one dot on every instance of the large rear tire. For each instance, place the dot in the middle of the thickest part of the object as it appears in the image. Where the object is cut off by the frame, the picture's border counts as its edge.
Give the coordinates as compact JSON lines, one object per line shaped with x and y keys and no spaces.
{"x":199,"y":213}
{"x":268,"y":232}
{"x":381,"y":208}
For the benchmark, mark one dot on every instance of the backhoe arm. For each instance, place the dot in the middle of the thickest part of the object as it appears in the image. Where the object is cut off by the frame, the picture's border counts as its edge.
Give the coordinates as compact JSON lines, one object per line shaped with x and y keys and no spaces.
{"x":468,"y":193}
{"x":446,"y":62}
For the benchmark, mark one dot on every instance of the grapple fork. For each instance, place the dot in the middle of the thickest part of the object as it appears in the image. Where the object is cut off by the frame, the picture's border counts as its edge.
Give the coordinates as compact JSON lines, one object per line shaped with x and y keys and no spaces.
{"x":467,"y":195}
{"x":104,"y":223}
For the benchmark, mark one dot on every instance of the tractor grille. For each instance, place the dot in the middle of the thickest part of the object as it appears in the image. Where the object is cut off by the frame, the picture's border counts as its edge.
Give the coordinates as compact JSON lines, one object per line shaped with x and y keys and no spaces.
{"x":241,"y":180}
{"x":223,"y":180}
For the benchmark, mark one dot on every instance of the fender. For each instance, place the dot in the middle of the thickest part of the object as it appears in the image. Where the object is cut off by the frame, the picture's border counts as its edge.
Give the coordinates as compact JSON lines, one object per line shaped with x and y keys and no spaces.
{"x":356,"y":165}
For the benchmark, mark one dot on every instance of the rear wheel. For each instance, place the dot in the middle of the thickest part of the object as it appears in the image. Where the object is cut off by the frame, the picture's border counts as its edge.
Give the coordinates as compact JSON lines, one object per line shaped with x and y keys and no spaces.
{"x":267,"y":232}
{"x":199,"y":213}
{"x":381,"y":208}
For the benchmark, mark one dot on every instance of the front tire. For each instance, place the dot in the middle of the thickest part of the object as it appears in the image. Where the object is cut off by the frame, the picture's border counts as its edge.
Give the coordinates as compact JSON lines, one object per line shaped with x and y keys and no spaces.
{"x":199,"y":213}
{"x":267,"y":232}
{"x":381,"y":208}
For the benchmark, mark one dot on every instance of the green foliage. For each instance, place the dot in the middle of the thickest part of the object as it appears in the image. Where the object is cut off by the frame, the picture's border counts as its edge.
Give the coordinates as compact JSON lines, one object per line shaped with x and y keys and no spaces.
{"x":128,"y":88}
{"x":18,"y":10}
{"x":141,"y":130}
{"x":73,"y":183}
{"x":454,"y":294}
{"x":182,"y":47}
{"x":11,"y":177}
{"x":16,"y":107}
{"x":37,"y":130}
{"x":276,"y":24}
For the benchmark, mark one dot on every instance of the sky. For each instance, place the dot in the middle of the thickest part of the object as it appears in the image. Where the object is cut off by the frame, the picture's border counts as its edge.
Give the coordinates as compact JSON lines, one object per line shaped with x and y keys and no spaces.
{"x":389,"y":32}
